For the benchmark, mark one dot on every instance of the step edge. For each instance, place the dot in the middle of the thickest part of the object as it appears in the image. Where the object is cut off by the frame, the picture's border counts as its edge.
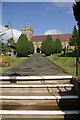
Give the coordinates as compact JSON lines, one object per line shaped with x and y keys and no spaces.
{"x":36,"y":86}
{"x":40,"y":112}
{"x":34,"y":77}
{"x":39,"y":97}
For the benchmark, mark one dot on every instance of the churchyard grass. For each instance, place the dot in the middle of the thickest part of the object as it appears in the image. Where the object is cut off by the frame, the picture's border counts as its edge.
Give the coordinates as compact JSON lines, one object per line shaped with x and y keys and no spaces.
{"x":13,"y":62}
{"x":67,"y":63}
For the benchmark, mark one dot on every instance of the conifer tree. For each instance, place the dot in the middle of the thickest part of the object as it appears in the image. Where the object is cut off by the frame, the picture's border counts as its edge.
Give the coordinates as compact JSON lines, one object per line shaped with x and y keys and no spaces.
{"x":49,"y":46}
{"x":43,"y":47}
{"x":58,"y":46}
{"x":22,"y":46}
{"x":76,"y":12}
{"x":74,"y":41}
{"x":31,"y":47}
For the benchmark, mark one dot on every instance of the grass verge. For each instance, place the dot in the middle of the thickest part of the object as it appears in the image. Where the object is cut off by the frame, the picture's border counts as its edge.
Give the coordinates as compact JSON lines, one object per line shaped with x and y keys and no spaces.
{"x":67,"y":63}
{"x":13,"y":63}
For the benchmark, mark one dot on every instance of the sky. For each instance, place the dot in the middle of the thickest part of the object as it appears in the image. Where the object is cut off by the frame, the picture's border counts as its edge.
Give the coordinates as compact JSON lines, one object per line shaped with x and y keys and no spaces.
{"x":44,"y":17}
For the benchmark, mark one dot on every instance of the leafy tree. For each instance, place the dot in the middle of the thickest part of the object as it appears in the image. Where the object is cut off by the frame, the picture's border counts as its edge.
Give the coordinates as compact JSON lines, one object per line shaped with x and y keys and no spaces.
{"x":0,"y":47}
{"x":10,"y":45}
{"x":74,"y":41}
{"x":31,"y":47}
{"x":49,"y":46}
{"x":3,"y":47}
{"x":76,"y":12}
{"x":6,"y":26}
{"x":58,"y":46}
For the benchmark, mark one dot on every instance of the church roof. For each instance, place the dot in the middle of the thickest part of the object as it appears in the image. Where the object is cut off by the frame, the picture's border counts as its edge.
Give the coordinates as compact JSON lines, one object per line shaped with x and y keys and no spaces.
{"x":62,"y":37}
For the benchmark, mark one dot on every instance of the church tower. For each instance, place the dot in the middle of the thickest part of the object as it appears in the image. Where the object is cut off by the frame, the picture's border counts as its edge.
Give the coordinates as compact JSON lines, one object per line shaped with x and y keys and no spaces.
{"x":28,"y":30}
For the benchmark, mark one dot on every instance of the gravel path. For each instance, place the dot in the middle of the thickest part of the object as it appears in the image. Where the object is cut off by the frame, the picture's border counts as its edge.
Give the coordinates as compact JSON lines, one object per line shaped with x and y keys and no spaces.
{"x":37,"y":65}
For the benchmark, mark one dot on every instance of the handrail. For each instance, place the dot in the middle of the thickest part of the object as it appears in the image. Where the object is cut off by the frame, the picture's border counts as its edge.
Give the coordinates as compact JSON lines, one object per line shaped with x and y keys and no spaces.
{"x":77,"y":60}
{"x":78,"y":55}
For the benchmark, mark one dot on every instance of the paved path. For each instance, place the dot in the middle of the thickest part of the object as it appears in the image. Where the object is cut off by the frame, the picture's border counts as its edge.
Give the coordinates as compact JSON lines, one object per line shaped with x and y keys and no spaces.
{"x":37,"y":65}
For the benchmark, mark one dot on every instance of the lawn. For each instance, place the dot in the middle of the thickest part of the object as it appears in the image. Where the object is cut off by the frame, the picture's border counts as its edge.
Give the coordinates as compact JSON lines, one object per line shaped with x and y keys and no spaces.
{"x":13,"y":62}
{"x":67,"y":63}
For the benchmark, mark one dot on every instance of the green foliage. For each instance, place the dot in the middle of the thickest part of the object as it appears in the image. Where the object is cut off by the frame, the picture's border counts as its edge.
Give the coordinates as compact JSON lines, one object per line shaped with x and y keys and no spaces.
{"x":74,"y":41}
{"x":0,"y":47}
{"x":53,"y":46}
{"x":22,"y":46}
{"x":10,"y":42}
{"x":31,"y":47}
{"x":42,"y":47}
{"x":58,"y":46}
{"x":76,"y":12}
{"x":48,"y":46}
{"x":3,"y":47}
{"x":6,"y":26}
{"x":10,"y":45}
{"x":13,"y":63}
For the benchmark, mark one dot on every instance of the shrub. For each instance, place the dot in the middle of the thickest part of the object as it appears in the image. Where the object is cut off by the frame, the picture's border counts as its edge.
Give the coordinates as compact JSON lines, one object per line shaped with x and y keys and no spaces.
{"x":31,"y":47}
{"x":43,"y":47}
{"x":49,"y":46}
{"x":22,"y":46}
{"x":58,"y":46}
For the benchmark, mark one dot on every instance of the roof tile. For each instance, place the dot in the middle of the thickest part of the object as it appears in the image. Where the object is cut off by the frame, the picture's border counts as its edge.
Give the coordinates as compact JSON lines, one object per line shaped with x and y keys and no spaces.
{"x":62,"y":37}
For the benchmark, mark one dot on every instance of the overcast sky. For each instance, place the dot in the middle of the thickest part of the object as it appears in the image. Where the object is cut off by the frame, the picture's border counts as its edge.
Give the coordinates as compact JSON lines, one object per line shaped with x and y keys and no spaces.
{"x":44,"y":17}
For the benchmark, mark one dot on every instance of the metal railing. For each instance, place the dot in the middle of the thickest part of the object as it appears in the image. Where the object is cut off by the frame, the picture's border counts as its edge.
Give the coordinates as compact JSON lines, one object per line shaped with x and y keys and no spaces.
{"x":78,"y":62}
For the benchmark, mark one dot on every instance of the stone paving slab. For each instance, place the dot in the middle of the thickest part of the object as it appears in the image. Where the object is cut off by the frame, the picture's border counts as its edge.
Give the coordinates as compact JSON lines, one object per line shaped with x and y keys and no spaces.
{"x":37,"y":65}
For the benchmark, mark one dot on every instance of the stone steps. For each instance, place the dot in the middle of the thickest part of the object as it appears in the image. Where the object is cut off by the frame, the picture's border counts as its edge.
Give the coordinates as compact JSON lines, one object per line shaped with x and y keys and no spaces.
{"x":40,"y":112}
{"x":34,"y":77}
{"x":39,"y":97}
{"x":36,"y":86}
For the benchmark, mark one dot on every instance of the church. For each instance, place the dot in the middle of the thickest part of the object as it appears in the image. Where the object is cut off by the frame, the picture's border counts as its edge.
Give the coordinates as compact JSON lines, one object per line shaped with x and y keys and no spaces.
{"x":37,"y":40}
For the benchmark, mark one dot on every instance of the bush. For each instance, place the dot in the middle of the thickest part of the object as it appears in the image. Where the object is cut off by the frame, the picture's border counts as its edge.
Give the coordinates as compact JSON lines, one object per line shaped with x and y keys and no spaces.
{"x":48,"y":46}
{"x":22,"y":46}
{"x":31,"y":47}
{"x":43,"y":47}
{"x":58,"y":46}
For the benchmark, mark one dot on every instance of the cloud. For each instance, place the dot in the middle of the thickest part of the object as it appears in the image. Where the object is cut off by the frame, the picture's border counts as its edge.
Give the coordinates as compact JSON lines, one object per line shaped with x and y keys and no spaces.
{"x":62,"y":4}
{"x":8,"y":34}
{"x":51,"y":32}
{"x":65,"y":5}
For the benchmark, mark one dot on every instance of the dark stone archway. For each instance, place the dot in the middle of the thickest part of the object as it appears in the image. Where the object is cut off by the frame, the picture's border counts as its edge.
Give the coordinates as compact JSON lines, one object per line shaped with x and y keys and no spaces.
{"x":38,"y":50}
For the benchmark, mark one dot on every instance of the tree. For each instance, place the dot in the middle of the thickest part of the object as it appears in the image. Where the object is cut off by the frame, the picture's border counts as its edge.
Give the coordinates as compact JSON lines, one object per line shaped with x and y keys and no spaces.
{"x":76,"y":12}
{"x":0,"y":47}
{"x":42,"y":47}
{"x":22,"y":46}
{"x":31,"y":47}
{"x":10,"y":45}
{"x":6,"y":26}
{"x":53,"y":46}
{"x":49,"y":47}
{"x":74,"y":41}
{"x":58,"y":46}
{"x":3,"y":47}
